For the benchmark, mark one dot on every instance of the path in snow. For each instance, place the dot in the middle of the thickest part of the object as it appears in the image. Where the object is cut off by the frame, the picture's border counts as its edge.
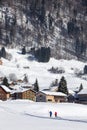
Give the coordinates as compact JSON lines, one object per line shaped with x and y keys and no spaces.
{"x":56,"y":118}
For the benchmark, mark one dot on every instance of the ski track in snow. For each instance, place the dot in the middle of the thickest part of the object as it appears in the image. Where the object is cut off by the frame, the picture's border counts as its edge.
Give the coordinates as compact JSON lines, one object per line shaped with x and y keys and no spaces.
{"x":56,"y":118}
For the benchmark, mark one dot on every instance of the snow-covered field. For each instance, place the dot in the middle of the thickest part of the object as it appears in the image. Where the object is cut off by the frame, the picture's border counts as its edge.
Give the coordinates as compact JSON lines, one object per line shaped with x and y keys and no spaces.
{"x":25,"y":115}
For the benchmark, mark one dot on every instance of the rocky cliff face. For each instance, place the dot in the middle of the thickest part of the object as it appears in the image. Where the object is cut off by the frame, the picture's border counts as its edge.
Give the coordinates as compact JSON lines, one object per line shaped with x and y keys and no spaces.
{"x":59,"y":24}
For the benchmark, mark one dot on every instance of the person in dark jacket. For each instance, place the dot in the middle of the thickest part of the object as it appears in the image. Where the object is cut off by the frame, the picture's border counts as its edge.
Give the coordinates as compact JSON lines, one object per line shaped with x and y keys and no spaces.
{"x":50,"y":113}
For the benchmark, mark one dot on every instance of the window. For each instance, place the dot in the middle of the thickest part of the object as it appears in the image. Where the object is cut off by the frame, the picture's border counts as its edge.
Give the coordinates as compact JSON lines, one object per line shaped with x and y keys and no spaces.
{"x":50,"y":100}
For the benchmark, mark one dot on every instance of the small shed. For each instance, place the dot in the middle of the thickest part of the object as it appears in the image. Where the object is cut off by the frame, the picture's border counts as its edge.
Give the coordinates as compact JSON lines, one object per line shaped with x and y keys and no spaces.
{"x":82,"y":96}
{"x":71,"y":96}
{"x":48,"y":96}
{"x":4,"y":92}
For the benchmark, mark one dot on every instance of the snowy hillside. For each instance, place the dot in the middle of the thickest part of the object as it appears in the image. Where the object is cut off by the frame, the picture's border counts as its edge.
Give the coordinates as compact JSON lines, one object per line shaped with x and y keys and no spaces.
{"x":35,"y":116}
{"x":22,"y":64}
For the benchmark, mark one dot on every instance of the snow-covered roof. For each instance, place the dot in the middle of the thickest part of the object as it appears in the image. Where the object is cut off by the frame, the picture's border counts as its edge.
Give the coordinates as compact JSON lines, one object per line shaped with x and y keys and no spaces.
{"x":18,"y":86}
{"x":71,"y":92}
{"x":54,"y":93}
{"x":5,"y":88}
{"x":20,"y":90}
{"x":27,"y":85}
{"x":83,"y":91}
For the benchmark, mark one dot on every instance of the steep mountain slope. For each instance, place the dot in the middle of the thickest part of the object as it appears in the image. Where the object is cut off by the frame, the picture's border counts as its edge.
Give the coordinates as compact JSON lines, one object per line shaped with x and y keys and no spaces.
{"x":60,"y":24}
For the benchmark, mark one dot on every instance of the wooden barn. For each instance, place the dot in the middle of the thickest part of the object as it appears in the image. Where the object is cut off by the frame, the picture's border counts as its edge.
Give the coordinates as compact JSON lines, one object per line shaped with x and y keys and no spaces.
{"x":4,"y":92}
{"x":24,"y":94}
{"x":47,"y":96}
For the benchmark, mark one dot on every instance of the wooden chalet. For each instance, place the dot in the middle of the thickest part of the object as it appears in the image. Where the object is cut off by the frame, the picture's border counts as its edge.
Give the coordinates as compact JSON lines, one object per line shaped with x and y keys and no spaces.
{"x":47,"y":96}
{"x":4,"y":92}
{"x":24,"y":94}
